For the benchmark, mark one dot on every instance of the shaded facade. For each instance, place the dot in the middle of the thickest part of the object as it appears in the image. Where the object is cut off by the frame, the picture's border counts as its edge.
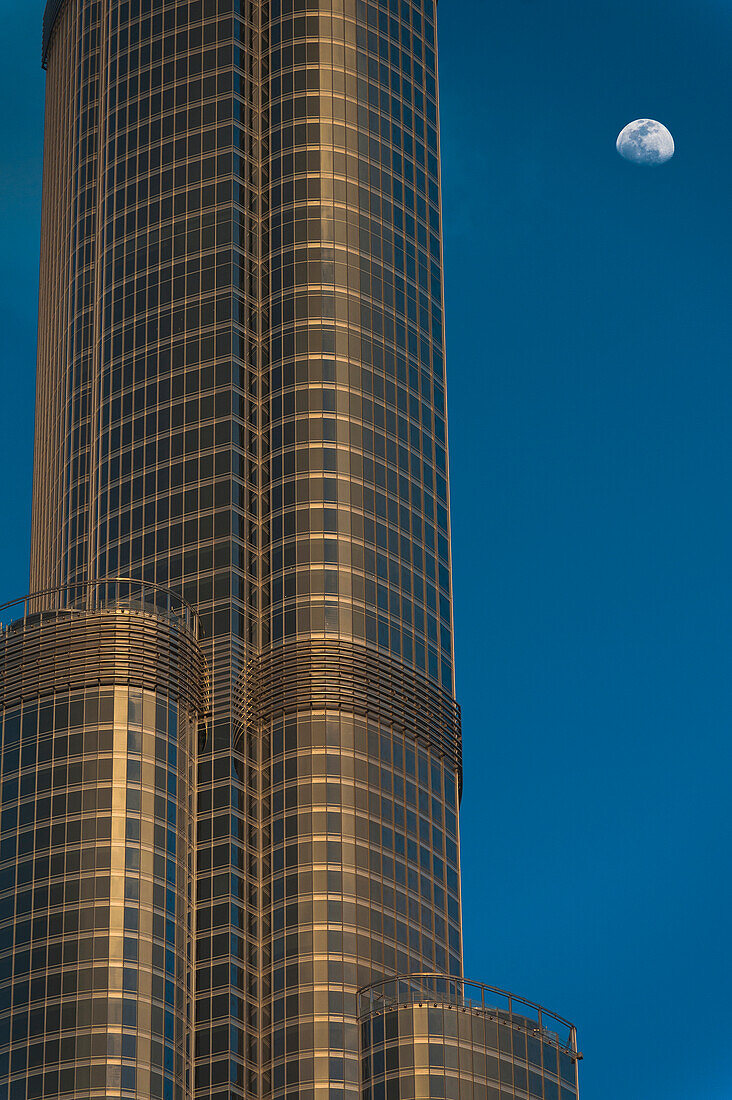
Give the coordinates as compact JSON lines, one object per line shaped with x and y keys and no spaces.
{"x":241,"y":398}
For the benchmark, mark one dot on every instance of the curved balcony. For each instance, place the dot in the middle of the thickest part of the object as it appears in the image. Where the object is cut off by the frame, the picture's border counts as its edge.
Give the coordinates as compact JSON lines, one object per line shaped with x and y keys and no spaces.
{"x":436,"y":990}
{"x":106,"y":632}
{"x":109,"y":594}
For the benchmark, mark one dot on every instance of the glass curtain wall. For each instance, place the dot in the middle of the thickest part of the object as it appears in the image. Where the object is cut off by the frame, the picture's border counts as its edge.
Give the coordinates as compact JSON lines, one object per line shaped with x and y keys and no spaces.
{"x":99,"y":716}
{"x":147,"y":438}
{"x":426,"y":1037}
{"x":241,"y":396}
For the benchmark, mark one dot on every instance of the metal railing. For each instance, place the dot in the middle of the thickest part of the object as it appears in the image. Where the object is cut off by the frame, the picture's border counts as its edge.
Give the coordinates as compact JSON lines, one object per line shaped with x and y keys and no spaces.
{"x":106,"y":633}
{"x":108,"y":594}
{"x":438,"y":990}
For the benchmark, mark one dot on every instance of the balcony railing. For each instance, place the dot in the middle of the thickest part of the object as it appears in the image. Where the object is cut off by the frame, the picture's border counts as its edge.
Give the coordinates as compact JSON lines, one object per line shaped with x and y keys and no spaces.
{"x":109,"y":594}
{"x":439,"y":989}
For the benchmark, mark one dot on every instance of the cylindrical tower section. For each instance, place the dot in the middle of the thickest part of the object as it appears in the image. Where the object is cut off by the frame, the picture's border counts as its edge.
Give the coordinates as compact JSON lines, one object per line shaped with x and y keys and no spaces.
{"x":357,"y":531}
{"x":352,"y":693}
{"x":430,"y":1036}
{"x":100,"y":711}
{"x":360,"y":868}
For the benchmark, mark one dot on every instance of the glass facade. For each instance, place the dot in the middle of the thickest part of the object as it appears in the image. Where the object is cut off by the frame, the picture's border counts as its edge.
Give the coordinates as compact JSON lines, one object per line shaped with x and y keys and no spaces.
{"x":359,"y":876}
{"x":357,"y":520}
{"x":428,"y":1036}
{"x":100,"y":714}
{"x":241,"y":398}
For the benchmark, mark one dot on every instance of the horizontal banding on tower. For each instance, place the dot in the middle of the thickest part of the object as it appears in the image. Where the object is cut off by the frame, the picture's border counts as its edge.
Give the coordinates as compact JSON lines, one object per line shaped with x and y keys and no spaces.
{"x":72,"y":649}
{"x":101,"y":701}
{"x":324,"y":674}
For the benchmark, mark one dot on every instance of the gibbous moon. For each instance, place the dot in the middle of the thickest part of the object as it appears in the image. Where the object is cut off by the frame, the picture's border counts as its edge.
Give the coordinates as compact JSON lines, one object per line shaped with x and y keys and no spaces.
{"x":645,"y":141}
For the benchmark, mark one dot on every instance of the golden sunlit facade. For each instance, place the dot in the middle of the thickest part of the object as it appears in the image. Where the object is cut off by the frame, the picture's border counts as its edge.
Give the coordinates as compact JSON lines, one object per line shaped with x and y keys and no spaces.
{"x":241,"y":400}
{"x":101,"y":705}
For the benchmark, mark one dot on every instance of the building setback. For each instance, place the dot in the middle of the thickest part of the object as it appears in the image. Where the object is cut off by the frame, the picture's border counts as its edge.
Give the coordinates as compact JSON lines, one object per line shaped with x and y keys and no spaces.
{"x":241,"y":407}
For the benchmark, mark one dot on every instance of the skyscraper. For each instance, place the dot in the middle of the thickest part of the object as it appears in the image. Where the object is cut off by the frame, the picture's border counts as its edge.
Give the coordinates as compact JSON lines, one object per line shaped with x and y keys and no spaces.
{"x":241,"y":409}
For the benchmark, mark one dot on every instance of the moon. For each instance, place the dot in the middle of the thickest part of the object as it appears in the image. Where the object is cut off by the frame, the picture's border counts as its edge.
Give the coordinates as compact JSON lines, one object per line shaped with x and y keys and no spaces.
{"x":645,"y":141}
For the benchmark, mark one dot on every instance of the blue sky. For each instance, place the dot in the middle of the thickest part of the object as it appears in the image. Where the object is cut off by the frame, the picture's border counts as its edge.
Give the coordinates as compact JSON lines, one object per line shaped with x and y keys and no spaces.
{"x":589,"y":336}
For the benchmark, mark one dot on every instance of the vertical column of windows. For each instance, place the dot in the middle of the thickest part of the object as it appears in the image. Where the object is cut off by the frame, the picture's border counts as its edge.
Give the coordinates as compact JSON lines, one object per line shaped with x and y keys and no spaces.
{"x":151,"y":914}
{"x":226,"y":1048}
{"x":85,"y":131}
{"x":65,"y":337}
{"x":358,"y":498}
{"x":54,"y":890}
{"x":95,"y":884}
{"x":359,"y":880}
